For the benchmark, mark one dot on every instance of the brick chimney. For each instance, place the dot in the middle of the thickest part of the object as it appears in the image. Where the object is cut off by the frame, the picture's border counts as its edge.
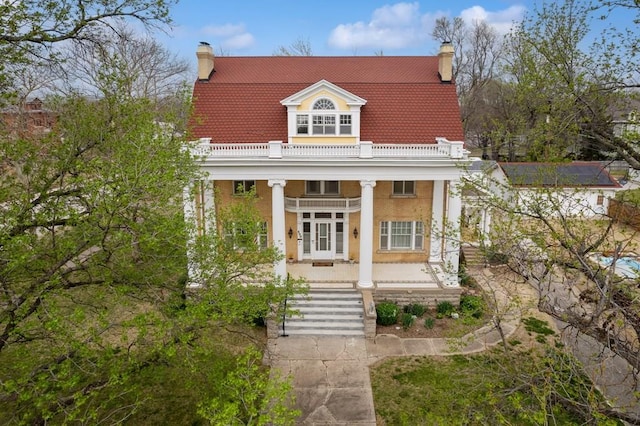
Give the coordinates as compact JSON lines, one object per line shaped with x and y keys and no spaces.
{"x":445,"y":62}
{"x":205,"y":61}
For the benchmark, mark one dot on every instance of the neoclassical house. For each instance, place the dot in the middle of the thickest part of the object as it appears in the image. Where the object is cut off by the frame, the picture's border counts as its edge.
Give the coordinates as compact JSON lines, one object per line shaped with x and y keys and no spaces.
{"x":355,"y":162}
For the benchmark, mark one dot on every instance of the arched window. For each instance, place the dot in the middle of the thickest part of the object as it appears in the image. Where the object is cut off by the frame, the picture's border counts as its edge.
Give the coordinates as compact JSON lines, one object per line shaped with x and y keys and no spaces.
{"x":323,"y":104}
{"x":324,"y":120}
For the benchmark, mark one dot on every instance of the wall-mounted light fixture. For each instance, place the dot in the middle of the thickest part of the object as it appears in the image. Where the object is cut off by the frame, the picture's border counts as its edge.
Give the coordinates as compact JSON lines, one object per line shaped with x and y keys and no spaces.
{"x":290,"y":233}
{"x":355,"y":232}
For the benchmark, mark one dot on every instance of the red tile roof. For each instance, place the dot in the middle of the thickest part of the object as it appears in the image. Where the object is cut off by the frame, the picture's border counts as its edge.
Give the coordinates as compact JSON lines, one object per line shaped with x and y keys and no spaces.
{"x":406,"y":102}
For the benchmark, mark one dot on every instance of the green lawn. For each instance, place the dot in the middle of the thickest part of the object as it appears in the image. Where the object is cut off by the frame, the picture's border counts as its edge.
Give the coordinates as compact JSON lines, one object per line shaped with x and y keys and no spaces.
{"x":519,"y":387}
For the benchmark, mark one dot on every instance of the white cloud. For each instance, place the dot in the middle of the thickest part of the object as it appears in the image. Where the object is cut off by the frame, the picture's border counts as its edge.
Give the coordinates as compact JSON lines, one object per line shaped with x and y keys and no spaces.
{"x":229,"y":36}
{"x":501,"y":20}
{"x":402,"y":25}
{"x":240,"y":41}
{"x":390,"y":27}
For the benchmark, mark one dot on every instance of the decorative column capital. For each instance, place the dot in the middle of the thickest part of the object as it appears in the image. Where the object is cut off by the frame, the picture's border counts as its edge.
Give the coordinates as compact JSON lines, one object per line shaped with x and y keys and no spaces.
{"x":279,"y":182}
{"x":364,"y":183}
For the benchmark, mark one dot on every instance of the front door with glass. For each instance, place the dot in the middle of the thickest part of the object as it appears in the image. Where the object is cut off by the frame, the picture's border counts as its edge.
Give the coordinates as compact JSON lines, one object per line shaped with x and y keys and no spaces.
{"x":323,"y":235}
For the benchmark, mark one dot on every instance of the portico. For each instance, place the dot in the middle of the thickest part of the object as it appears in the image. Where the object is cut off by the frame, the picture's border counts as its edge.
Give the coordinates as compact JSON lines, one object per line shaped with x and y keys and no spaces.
{"x":332,"y":203}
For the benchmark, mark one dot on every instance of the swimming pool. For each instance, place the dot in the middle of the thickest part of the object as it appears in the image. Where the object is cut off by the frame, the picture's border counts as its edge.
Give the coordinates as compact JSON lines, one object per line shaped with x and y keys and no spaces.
{"x":628,"y":267}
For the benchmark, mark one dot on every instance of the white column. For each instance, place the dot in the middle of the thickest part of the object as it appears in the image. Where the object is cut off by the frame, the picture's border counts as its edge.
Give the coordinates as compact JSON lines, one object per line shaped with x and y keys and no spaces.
{"x":193,"y":271}
{"x":365,"y":279}
{"x":209,"y":207}
{"x":277,"y":224}
{"x":486,"y":226}
{"x":437,"y":212}
{"x":452,"y":234}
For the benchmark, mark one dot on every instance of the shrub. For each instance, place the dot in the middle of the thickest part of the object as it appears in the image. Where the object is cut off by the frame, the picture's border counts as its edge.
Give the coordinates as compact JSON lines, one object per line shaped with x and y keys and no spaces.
{"x":387,"y":313}
{"x":407,"y":320}
{"x":415,"y":309}
{"x":472,"y":306}
{"x":429,"y":323}
{"x":444,"y":309}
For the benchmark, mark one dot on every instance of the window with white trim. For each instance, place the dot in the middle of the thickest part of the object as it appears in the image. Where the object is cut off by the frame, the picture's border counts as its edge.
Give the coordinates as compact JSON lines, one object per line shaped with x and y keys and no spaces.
{"x":247,"y":236}
{"x":401,"y":235}
{"x":324,"y":124}
{"x":325,"y":120}
{"x":404,"y":187}
{"x":243,"y":186}
{"x":322,"y":187}
{"x":302,"y":124}
{"x":345,"y":124}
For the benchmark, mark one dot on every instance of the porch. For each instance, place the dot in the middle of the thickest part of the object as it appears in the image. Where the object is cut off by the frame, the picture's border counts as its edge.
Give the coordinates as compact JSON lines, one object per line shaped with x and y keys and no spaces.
{"x":340,"y":274}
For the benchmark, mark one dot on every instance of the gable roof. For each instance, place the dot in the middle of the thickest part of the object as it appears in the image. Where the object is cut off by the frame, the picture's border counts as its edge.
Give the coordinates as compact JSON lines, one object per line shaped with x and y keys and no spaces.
{"x":405,"y":100}
{"x":575,"y":174}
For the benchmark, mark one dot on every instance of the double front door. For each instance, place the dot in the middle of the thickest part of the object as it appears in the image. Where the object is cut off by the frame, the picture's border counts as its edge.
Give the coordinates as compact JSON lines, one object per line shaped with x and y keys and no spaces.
{"x":323,"y":236}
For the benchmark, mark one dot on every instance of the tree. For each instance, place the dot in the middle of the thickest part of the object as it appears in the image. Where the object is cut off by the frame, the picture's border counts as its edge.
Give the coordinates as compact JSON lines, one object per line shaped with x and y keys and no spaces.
{"x":88,"y":212}
{"x":552,"y":239}
{"x":477,"y":52}
{"x":29,"y":31}
{"x":93,"y":263}
{"x":145,"y":68}
{"x":563,"y":84}
{"x":300,"y":47}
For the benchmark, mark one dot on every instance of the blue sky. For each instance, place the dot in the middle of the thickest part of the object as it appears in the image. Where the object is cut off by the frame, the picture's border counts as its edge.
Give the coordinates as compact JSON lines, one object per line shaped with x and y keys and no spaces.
{"x":345,"y":27}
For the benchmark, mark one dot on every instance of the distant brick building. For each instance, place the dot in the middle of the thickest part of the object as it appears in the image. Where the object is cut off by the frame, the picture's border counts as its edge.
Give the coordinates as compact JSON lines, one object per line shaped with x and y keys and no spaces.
{"x":29,"y":118}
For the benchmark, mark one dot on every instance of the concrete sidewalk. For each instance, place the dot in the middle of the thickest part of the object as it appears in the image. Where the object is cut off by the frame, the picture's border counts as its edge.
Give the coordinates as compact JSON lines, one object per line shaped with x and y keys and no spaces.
{"x":331,"y":374}
{"x":330,"y":378}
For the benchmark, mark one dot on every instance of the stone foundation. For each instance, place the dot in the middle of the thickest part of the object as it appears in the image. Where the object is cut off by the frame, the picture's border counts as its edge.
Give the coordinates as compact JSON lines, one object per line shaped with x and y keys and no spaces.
{"x":425,"y":297}
{"x":370,"y":315}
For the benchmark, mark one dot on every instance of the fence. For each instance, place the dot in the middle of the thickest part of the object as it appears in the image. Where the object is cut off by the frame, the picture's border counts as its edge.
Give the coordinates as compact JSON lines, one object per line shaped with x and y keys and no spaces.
{"x":625,"y":213}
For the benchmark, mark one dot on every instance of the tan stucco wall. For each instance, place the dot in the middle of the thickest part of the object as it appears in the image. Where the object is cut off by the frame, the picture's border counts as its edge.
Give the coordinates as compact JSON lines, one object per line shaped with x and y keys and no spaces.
{"x":389,"y":207}
{"x":324,"y":140}
{"x":339,"y":103}
{"x":385,"y":207}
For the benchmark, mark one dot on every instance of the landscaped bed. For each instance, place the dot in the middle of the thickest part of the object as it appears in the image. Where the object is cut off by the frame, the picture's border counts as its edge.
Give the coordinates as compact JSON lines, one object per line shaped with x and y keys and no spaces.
{"x":443,"y":320}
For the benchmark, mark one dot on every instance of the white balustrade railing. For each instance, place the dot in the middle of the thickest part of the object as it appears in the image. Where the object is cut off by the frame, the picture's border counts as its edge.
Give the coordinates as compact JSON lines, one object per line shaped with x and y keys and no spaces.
{"x":299,"y":204}
{"x":276,"y":149}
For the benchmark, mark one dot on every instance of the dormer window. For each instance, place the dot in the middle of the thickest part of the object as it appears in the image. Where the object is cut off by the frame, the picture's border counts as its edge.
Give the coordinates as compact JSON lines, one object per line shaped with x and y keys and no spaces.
{"x":323,"y":109}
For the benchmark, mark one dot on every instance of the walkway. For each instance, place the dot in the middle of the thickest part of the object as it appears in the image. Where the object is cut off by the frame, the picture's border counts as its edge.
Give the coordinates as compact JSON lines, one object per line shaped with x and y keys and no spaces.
{"x":331,"y":374}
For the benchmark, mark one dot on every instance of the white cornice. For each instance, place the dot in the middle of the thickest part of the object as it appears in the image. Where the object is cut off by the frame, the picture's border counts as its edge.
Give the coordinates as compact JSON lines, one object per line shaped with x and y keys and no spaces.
{"x":354,"y":169}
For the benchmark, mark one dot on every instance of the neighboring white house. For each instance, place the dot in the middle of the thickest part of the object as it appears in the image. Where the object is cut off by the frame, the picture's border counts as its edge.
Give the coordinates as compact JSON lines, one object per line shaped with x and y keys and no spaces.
{"x":571,"y":189}
{"x":579,"y":188}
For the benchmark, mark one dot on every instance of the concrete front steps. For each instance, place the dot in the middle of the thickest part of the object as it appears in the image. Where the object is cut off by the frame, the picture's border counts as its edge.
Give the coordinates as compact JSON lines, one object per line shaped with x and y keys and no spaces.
{"x":326,"y":312}
{"x":473,"y":255}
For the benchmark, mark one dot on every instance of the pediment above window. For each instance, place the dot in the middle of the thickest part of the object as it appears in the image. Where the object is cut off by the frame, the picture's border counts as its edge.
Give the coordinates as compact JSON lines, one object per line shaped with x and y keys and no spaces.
{"x":323,"y":86}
